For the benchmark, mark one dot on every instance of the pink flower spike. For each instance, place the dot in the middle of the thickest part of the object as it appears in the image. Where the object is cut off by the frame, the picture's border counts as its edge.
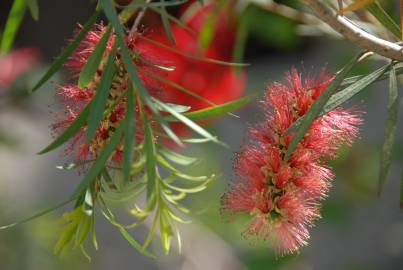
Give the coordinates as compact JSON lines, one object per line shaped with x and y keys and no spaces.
{"x":282,"y":196}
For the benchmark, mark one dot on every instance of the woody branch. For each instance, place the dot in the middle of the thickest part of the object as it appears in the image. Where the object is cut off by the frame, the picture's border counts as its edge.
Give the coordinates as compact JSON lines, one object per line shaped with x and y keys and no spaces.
{"x":355,"y":34}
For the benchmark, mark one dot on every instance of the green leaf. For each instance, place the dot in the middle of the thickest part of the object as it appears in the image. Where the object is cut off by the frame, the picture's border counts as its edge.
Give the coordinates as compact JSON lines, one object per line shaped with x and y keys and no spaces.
{"x":112,"y":16}
{"x":383,"y":17}
{"x":194,"y":189}
{"x":151,"y":232}
{"x":165,"y":23}
{"x":14,"y":20}
{"x":154,"y":4}
{"x":241,"y":39}
{"x":390,"y":131}
{"x":133,"y":242}
{"x":90,"y":68}
{"x":178,"y":173}
{"x":130,"y":134}
{"x":166,"y":232}
{"x":70,"y":131}
{"x":101,"y":96}
{"x":108,"y":214}
{"x":93,"y":233}
{"x":151,"y":152}
{"x":58,"y":63}
{"x":353,"y":89}
{"x":401,"y":192}
{"x":208,"y":30}
{"x":175,"y":20}
{"x":33,"y":8}
{"x":179,"y":108}
{"x":317,"y":107}
{"x":195,"y":127}
{"x":99,"y":163}
{"x":83,"y":231}
{"x":192,"y":56}
{"x":353,"y":79}
{"x":217,"y":110}
{"x":37,"y":215}
{"x":177,"y":86}
{"x":176,"y":157}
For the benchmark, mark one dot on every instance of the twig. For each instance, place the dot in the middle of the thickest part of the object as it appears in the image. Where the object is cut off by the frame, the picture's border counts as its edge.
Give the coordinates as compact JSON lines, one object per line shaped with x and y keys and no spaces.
{"x":355,"y":34}
{"x":138,"y":20}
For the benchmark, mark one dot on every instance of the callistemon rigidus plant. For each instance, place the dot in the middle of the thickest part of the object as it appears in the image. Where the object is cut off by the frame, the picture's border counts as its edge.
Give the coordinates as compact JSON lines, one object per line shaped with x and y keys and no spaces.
{"x":125,"y":127}
{"x":282,"y":196}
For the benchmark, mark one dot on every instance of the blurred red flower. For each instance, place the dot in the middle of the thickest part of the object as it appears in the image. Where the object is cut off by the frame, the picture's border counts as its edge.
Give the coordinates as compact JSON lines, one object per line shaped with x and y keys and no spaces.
{"x":17,"y":63}
{"x":217,"y":83}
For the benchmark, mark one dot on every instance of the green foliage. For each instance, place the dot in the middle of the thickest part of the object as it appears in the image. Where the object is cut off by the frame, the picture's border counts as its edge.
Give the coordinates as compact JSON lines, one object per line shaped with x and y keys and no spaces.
{"x":101,"y":96}
{"x":390,"y":130}
{"x":384,"y":18}
{"x":13,"y":23}
{"x":90,"y":68}
{"x":33,"y":8}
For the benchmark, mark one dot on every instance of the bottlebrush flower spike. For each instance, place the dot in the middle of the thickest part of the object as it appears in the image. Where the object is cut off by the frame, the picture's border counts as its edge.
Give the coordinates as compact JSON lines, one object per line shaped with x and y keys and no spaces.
{"x":283,"y":196}
{"x":76,"y":98}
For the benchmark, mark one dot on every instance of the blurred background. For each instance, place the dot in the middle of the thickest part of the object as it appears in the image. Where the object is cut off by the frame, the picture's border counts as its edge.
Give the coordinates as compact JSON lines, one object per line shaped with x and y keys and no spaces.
{"x":358,"y":231}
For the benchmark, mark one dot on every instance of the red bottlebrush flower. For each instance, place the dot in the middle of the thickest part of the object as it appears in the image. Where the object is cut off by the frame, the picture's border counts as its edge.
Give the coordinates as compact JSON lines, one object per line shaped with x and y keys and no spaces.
{"x":283,"y":196}
{"x":76,"y":98}
{"x":214,"y":82}
{"x":17,"y":63}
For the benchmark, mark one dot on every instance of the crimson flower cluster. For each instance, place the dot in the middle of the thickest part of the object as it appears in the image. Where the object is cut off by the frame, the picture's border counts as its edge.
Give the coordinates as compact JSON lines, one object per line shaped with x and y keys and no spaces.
{"x":283,"y":196}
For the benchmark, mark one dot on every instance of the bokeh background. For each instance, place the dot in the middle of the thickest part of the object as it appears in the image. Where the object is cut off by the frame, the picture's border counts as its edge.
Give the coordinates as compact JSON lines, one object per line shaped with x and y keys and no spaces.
{"x":358,"y":231}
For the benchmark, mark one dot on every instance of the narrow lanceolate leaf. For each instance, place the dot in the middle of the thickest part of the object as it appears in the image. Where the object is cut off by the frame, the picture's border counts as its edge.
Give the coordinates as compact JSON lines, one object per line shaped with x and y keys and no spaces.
{"x":347,"y":93}
{"x":61,"y":59}
{"x":192,"y":56}
{"x":217,"y":110}
{"x":208,"y":30}
{"x":70,"y":131}
{"x":165,"y":231}
{"x":130,"y":134}
{"x":151,"y":153}
{"x":33,"y":8}
{"x":317,"y":107}
{"x":14,"y":20}
{"x":37,"y":215}
{"x":353,"y":79}
{"x":101,"y":96}
{"x":401,"y":192}
{"x":154,"y":4}
{"x":390,"y":130}
{"x":401,"y":19}
{"x":383,"y":17}
{"x":99,"y":163}
{"x":176,"y":157}
{"x":241,"y":39}
{"x":90,"y":68}
{"x":112,"y":16}
{"x":165,"y":23}
{"x":195,"y":127}
{"x":109,"y":216}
